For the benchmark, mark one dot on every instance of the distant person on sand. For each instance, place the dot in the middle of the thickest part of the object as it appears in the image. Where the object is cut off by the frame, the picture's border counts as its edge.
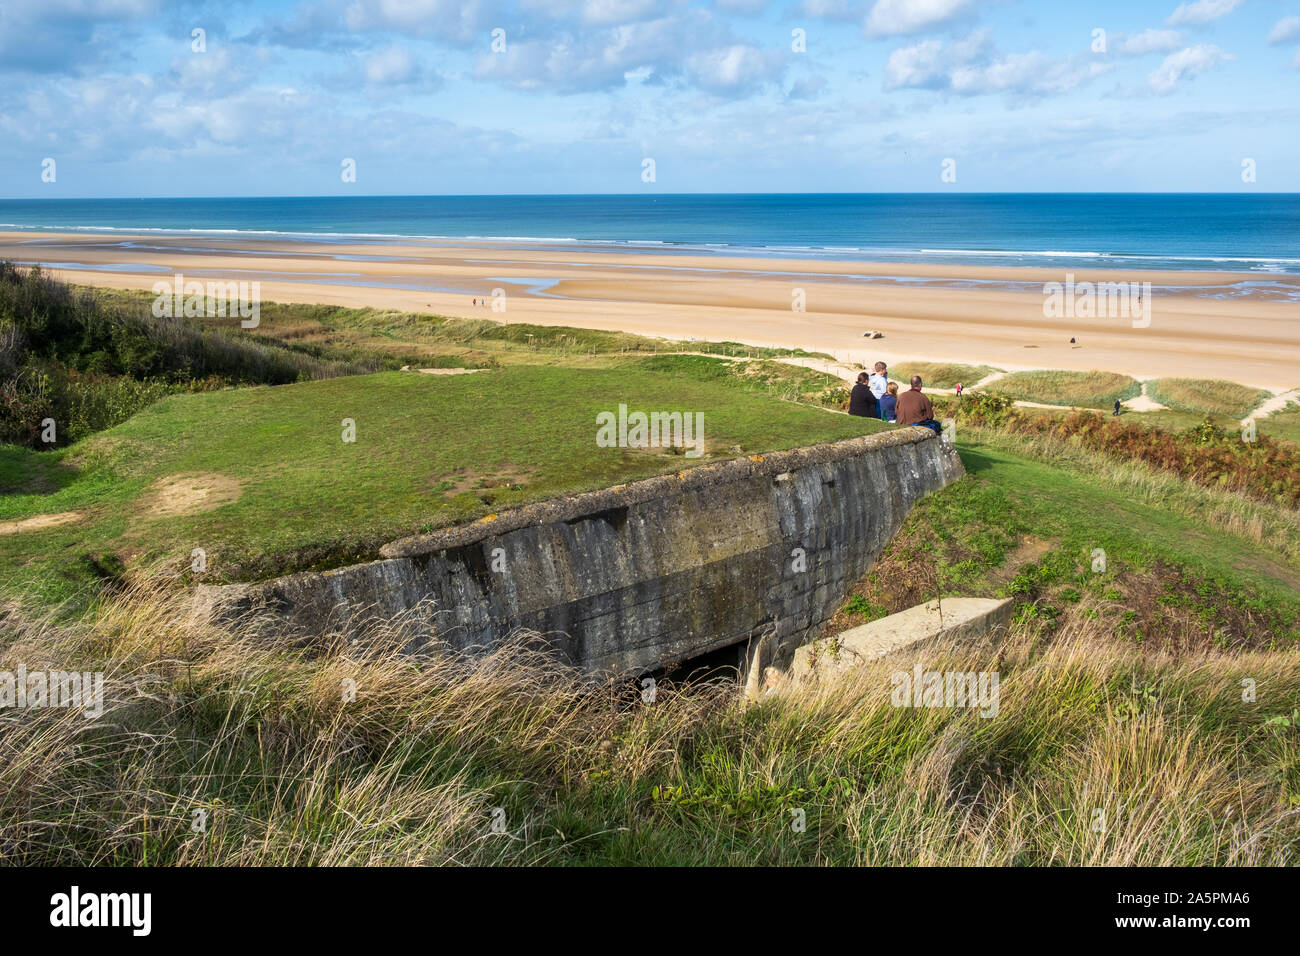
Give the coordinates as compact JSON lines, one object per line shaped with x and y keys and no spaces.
{"x":861,"y":400}
{"x":914,"y":407}
{"x":959,"y":389}
{"x":889,"y":403}
{"x":1116,"y":414}
{"x":878,"y":381}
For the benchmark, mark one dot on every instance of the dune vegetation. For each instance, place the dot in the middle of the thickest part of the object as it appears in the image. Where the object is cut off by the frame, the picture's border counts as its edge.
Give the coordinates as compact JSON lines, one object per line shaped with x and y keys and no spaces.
{"x":1206,"y":396}
{"x":1057,"y":387}
{"x":940,"y":374}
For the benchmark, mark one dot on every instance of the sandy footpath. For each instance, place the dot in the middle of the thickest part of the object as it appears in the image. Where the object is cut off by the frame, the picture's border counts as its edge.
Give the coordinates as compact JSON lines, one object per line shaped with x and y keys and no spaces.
{"x":928,"y":312}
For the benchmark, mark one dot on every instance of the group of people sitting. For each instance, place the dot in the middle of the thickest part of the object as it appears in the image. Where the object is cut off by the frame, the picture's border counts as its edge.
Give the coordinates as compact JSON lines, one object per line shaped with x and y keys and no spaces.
{"x":875,"y":396}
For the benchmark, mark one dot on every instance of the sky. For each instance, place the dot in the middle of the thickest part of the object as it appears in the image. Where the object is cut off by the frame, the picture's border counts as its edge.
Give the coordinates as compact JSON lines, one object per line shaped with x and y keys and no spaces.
{"x":126,"y":98}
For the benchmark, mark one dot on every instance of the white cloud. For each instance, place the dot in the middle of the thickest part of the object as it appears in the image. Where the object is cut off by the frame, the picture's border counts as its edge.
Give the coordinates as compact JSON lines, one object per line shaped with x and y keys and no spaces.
{"x":749,"y":8}
{"x":1186,"y":63}
{"x":1026,"y":73}
{"x":219,"y":70}
{"x":970,"y":67}
{"x":831,"y":9}
{"x":808,"y":87}
{"x":920,"y":65}
{"x":1150,"y":41}
{"x":458,"y":21}
{"x":1285,"y":30}
{"x":604,"y":13}
{"x":54,"y":36}
{"x":691,"y":48}
{"x":1202,"y":11}
{"x":734,"y":69}
{"x":904,"y":17}
{"x":392,"y":65}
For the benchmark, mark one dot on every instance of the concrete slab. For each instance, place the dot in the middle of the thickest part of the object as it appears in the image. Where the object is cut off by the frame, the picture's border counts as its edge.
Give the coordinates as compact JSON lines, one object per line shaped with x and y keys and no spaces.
{"x":958,"y":617}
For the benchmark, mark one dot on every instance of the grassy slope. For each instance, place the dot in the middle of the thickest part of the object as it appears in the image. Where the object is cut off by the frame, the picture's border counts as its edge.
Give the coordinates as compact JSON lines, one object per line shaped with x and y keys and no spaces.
{"x":430,"y":450}
{"x":1080,"y":510}
{"x":1204,"y":566}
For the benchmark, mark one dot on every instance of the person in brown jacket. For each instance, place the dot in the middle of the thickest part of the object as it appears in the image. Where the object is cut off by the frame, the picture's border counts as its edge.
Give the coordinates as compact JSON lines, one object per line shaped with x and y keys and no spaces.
{"x":914,"y":407}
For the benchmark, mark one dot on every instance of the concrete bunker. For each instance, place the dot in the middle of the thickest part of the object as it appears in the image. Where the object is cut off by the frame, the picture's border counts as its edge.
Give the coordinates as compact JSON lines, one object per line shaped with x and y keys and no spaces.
{"x":754,"y":552}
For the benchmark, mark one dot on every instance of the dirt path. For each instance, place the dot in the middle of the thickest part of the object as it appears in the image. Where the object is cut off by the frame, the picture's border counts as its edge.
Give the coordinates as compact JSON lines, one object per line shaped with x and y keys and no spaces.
{"x":37,"y":522}
{"x":1275,"y":404}
{"x":1144,"y":402}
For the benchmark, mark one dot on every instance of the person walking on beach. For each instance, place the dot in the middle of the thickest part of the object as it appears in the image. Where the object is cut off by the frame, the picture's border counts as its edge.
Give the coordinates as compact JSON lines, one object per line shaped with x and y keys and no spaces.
{"x":861,"y":400}
{"x":1115,"y":414}
{"x":879,"y":381}
{"x":912,"y":406}
{"x":959,"y":389}
{"x":889,"y":403}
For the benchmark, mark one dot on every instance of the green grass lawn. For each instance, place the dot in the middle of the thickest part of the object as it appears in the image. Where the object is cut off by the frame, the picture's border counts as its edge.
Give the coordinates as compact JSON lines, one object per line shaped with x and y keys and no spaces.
{"x":1056,"y":387}
{"x":789,"y":382}
{"x":429,"y":451}
{"x":1206,"y":396}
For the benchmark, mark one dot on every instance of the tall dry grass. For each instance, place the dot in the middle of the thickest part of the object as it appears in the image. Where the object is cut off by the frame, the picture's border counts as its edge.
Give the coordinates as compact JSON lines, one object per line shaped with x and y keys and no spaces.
{"x":433,"y":750}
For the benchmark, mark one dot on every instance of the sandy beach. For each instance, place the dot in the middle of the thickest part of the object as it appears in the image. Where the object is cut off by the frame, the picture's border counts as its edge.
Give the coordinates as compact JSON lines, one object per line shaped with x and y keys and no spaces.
{"x":1241,"y":327}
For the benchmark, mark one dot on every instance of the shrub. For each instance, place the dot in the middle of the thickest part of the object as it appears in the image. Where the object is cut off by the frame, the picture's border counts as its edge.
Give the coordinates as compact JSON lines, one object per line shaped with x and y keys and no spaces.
{"x":66,"y":354}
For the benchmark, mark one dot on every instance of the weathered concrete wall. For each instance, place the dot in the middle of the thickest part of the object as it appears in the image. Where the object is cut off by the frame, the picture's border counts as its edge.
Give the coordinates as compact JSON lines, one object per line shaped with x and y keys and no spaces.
{"x":644,"y":575}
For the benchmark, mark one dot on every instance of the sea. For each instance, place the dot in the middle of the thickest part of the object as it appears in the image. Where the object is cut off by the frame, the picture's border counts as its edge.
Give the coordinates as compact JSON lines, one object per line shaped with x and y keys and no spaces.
{"x":1238,"y":232}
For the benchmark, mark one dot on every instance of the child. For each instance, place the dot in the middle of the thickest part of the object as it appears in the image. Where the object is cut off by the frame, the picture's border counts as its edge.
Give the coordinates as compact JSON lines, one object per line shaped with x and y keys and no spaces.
{"x":889,"y":402}
{"x":878,"y":380}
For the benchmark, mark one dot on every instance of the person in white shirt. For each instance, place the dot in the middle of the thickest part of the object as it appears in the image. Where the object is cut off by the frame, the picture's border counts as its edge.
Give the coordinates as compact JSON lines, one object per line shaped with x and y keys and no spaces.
{"x":879,"y":381}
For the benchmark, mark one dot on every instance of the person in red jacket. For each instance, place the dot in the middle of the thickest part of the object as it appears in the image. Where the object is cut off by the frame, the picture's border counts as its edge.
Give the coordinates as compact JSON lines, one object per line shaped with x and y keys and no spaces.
{"x":914,"y":407}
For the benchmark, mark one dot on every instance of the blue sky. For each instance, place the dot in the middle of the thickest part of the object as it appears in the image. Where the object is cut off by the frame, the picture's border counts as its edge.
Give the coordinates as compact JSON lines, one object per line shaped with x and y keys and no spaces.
{"x":1019,"y":95}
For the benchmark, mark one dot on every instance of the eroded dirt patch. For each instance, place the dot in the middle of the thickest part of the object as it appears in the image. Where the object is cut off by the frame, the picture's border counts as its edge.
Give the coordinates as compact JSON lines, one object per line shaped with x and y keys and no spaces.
{"x":470,"y":480}
{"x":189,"y":494}
{"x":39,"y":522}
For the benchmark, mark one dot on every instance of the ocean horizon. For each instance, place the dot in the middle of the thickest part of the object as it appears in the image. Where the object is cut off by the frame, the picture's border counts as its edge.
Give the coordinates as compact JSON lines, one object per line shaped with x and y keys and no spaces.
{"x":1230,"y":232}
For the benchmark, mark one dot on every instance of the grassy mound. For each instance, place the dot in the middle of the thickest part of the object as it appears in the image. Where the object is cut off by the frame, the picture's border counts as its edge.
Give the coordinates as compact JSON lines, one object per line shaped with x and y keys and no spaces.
{"x":429,"y":451}
{"x":1057,"y":387}
{"x":939,"y":374}
{"x":1206,"y":396}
